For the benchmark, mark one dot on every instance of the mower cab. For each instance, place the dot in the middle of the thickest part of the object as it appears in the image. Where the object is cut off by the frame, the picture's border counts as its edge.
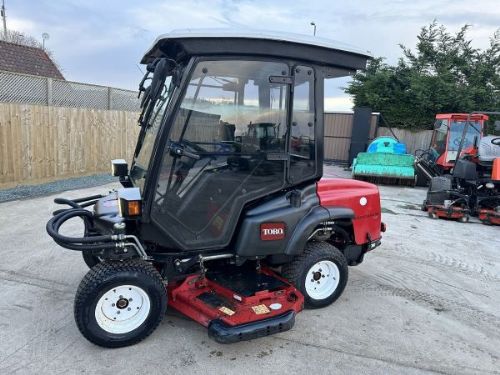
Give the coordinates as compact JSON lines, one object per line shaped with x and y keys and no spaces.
{"x":222,"y":211}
{"x":455,"y":135}
{"x":473,"y":185}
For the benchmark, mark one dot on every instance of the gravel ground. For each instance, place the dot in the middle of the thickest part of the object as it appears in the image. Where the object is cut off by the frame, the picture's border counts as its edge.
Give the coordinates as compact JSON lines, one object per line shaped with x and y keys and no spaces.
{"x":426,"y":301}
{"x":32,"y":191}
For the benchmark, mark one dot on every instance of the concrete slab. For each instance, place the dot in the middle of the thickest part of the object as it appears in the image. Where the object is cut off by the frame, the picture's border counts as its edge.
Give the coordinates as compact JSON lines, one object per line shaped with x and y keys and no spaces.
{"x":426,"y":301}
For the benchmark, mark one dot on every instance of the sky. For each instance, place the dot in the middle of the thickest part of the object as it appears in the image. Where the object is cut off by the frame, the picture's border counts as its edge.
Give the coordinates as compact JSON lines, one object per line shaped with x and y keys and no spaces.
{"x":102,"y":42}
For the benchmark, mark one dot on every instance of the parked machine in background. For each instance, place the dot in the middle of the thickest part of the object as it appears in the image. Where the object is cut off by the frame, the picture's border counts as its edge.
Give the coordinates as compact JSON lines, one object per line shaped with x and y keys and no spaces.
{"x":472,"y":186}
{"x":386,"y":162}
{"x":448,"y":136}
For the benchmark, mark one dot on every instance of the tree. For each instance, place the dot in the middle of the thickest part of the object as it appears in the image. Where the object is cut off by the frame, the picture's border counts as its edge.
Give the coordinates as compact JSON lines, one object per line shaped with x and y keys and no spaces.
{"x":18,"y":37}
{"x":445,"y":74}
{"x":23,"y":39}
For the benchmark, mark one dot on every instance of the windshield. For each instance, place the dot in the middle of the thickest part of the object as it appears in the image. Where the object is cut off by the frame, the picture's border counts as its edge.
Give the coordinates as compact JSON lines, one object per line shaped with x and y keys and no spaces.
{"x":456,"y":131}
{"x":439,"y":137}
{"x":148,"y":135}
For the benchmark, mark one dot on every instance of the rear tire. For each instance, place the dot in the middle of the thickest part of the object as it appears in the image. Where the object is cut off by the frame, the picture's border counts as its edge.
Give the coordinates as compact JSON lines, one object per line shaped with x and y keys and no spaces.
{"x":320,"y":273}
{"x":120,"y":303}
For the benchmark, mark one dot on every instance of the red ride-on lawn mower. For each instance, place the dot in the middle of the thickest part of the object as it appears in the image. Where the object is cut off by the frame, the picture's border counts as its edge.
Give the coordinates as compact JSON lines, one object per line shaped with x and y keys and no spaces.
{"x":473,"y":187}
{"x":440,"y":157}
{"x":220,"y":218}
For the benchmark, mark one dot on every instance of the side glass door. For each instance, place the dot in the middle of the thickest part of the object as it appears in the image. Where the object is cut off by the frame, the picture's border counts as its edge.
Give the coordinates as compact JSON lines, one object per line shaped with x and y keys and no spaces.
{"x":302,"y":133}
{"x":231,"y":127}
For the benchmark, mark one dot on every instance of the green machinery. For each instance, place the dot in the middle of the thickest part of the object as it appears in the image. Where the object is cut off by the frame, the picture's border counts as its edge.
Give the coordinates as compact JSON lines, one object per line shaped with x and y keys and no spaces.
{"x":385,"y":162}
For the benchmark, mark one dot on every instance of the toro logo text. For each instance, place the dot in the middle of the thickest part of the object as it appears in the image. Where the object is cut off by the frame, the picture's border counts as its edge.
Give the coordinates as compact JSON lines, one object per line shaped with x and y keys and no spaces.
{"x":272,"y":231}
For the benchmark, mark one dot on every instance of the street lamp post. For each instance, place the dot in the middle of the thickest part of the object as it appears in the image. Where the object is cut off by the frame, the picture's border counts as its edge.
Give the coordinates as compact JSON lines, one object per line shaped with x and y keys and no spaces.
{"x":4,"y":19}
{"x":314,"y":25}
{"x":45,"y":36}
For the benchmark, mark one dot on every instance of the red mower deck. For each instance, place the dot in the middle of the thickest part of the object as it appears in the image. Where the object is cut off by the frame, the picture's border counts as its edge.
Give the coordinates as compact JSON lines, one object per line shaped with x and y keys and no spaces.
{"x":489,"y":216}
{"x":259,"y":303}
{"x":453,"y":213}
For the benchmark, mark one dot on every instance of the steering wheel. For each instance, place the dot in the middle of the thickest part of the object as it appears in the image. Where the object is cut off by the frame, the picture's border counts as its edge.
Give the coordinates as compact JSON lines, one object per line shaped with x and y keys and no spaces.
{"x":496,"y":141}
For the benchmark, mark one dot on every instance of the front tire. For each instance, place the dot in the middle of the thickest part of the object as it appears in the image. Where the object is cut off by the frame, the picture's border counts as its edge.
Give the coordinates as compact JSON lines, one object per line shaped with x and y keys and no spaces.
{"x":320,"y":273}
{"x":120,"y":303}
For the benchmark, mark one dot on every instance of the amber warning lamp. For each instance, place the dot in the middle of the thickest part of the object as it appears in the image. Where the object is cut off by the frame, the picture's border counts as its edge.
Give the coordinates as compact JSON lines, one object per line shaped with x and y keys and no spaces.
{"x":130,"y":202}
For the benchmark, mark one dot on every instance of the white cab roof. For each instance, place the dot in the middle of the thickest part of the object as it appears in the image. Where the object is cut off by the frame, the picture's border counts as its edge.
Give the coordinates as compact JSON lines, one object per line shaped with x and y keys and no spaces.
{"x":260,"y":34}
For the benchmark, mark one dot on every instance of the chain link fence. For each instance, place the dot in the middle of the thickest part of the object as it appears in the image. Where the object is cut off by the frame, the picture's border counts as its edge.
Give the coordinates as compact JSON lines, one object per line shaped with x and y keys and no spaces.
{"x":23,"y":88}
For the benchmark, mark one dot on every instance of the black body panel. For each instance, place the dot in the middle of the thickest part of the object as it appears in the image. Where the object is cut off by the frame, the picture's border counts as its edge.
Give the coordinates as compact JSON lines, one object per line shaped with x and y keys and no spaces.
{"x":277,"y":210}
{"x":225,"y":334}
{"x":309,"y":222}
{"x":300,"y":221}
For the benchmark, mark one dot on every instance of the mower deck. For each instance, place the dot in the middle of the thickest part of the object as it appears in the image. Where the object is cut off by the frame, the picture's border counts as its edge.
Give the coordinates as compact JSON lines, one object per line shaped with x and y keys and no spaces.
{"x":488,"y":216}
{"x":237,"y":305}
{"x":453,"y":213}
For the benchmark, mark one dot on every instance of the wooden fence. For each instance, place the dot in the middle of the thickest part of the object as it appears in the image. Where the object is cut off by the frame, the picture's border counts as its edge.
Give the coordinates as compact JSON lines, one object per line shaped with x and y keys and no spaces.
{"x":40,"y":143}
{"x":338,"y":132}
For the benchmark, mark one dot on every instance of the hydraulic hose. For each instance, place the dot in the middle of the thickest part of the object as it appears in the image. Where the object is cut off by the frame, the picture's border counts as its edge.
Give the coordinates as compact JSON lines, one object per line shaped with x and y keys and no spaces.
{"x":86,"y":204}
{"x":55,"y":223}
{"x":87,"y":247}
{"x":87,"y":243}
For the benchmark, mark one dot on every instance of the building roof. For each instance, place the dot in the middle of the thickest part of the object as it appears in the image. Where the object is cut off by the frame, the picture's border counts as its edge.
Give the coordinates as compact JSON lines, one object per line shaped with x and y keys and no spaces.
{"x":226,"y":41}
{"x":27,"y":60}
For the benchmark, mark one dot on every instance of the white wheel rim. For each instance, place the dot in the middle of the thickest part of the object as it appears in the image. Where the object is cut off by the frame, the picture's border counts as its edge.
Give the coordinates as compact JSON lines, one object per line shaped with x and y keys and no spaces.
{"x":122,"y":309}
{"x":322,"y":279}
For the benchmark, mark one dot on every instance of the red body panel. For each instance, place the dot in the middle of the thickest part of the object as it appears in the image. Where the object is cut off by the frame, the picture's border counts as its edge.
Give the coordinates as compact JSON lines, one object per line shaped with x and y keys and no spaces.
{"x":343,"y":192}
{"x":183,"y":297}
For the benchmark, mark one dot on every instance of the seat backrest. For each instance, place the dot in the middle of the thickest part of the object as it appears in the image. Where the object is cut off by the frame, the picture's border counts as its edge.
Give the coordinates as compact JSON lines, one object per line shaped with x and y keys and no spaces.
{"x":465,"y":170}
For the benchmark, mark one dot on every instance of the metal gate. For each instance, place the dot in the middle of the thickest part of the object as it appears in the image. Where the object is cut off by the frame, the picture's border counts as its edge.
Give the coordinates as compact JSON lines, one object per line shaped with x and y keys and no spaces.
{"x":338,"y":134}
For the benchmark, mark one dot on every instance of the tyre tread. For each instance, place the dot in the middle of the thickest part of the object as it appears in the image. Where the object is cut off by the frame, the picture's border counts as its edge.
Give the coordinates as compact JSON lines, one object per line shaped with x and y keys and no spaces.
{"x":97,"y":275}
{"x":293,"y":270}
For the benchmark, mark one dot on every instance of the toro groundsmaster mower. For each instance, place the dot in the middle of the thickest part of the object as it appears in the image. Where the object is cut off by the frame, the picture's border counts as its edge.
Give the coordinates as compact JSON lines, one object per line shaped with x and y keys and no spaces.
{"x":223,"y":215}
{"x":447,"y":137}
{"x":473,"y":187}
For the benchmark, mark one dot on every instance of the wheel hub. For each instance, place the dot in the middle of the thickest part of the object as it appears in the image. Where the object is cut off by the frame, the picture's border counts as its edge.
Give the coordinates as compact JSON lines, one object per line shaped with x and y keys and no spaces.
{"x":122,"y":303}
{"x":122,"y":309}
{"x":322,"y":279}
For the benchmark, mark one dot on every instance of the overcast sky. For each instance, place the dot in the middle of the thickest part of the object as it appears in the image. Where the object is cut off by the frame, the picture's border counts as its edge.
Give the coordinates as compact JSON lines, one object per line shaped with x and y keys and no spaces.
{"x":102,"y":42}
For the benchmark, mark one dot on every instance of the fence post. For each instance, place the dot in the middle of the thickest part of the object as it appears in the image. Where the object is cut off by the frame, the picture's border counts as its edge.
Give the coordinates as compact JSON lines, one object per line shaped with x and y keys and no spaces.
{"x":49,"y":91}
{"x":109,"y":98}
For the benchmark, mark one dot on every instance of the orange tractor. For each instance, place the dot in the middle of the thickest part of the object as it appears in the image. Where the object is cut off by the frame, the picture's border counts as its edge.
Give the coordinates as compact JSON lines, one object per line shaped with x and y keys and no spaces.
{"x":439,"y":159}
{"x":465,"y":172}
